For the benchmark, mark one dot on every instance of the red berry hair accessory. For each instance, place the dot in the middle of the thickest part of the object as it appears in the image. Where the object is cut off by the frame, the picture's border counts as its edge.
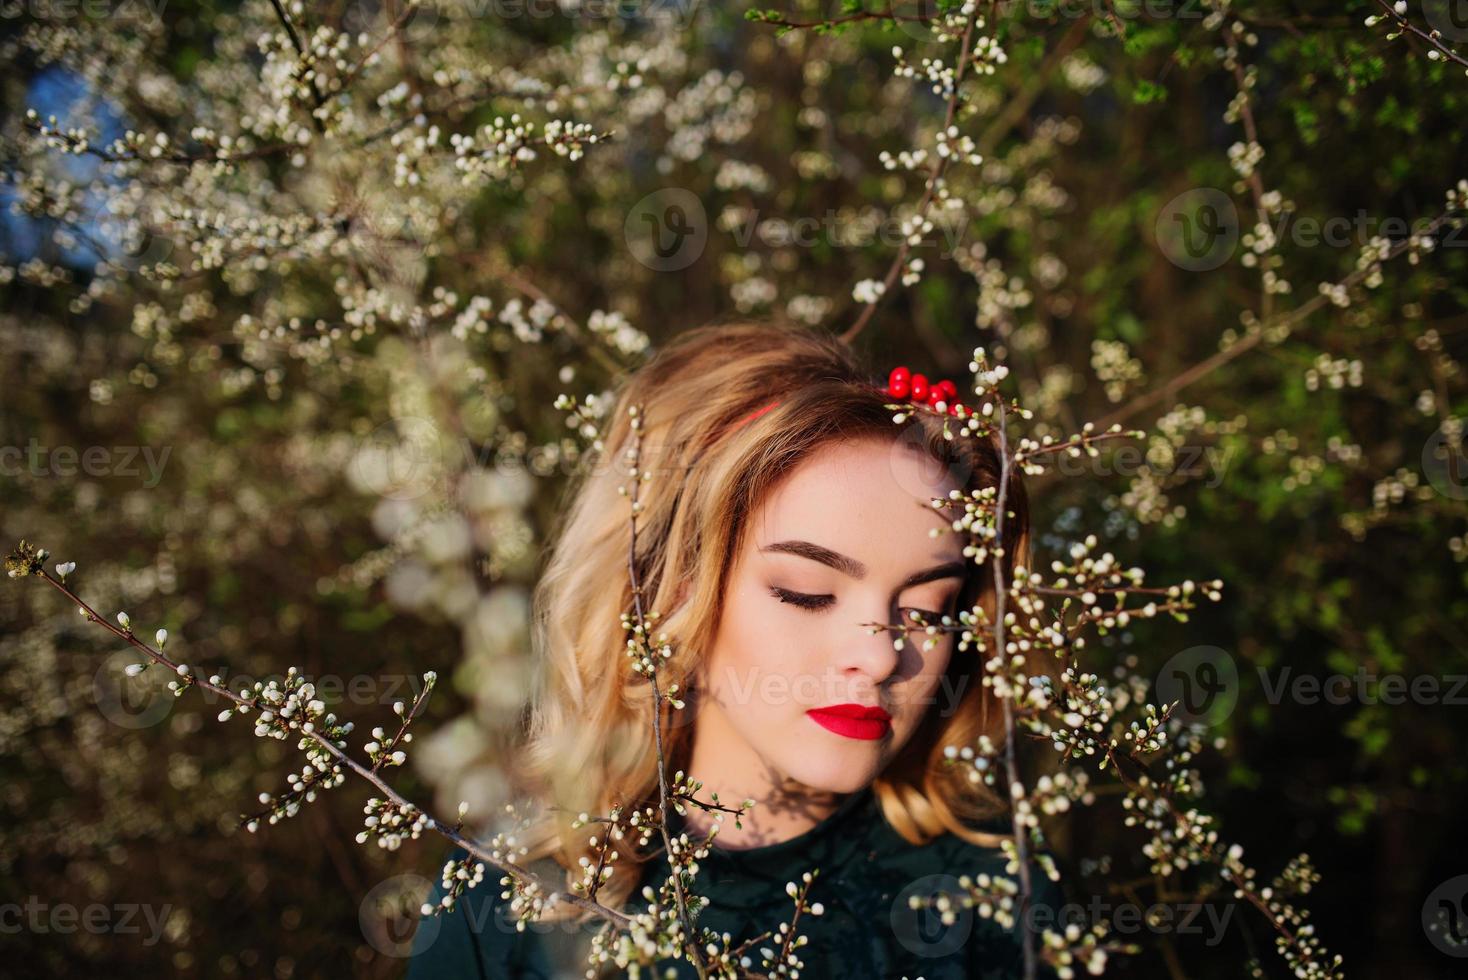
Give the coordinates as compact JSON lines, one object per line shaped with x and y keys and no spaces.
{"x":901,"y":384}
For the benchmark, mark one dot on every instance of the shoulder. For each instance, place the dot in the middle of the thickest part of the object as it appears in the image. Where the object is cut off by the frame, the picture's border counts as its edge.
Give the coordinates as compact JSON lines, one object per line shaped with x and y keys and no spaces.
{"x":951,"y":856}
{"x":954,"y":866}
{"x":476,"y":938}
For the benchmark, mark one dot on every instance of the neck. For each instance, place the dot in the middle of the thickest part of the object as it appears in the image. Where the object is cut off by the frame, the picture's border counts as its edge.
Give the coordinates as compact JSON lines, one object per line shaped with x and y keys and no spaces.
{"x":727,"y":766}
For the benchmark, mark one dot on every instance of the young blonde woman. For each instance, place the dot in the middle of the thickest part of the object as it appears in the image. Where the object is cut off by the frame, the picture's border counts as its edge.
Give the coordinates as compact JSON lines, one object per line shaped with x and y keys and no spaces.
{"x":785,"y":513}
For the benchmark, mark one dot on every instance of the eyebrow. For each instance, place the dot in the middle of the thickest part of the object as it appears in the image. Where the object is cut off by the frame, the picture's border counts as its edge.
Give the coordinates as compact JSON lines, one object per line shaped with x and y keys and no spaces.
{"x":856,"y":569}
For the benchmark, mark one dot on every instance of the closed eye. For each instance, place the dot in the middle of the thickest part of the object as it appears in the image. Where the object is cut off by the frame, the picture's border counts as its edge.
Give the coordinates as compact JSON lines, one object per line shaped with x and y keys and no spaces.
{"x":815,"y":603}
{"x":820,"y":603}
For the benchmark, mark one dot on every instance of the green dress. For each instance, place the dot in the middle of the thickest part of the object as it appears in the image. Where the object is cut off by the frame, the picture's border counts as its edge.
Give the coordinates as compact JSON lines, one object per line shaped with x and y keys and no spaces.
{"x":867,"y":873}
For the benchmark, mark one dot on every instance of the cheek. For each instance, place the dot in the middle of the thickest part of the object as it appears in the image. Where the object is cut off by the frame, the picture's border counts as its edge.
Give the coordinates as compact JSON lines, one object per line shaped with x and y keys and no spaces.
{"x":922,"y":689}
{"x":758,"y":648}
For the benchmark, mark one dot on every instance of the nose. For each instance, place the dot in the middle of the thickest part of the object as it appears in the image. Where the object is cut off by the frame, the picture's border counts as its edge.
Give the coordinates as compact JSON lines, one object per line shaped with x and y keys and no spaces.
{"x":868,"y":653}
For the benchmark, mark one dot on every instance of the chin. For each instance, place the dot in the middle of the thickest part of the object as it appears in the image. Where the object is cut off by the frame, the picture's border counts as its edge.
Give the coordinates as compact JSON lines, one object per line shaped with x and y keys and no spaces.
{"x":832,"y":770}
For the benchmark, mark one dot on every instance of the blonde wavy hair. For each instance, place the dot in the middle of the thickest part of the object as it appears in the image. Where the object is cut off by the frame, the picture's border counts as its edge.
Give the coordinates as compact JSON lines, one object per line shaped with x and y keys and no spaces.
{"x":590,"y":743}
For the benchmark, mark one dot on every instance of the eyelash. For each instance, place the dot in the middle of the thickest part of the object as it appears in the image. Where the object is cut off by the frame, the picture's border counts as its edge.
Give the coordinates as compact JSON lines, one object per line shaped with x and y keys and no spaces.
{"x":819,"y":603}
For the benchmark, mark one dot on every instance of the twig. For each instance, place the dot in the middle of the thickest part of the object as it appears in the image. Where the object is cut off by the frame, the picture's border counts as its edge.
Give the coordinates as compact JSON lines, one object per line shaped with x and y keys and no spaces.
{"x":940,"y":165}
{"x":1210,"y":364}
{"x":1255,"y":182}
{"x":695,"y":954}
{"x":290,"y":30}
{"x":861,"y":15}
{"x":471,"y":846}
{"x":1433,"y":38}
{"x":1011,"y":769}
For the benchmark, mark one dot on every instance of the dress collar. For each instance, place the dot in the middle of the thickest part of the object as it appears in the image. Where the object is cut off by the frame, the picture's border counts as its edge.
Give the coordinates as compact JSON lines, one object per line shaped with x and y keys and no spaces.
{"x":756,"y":876}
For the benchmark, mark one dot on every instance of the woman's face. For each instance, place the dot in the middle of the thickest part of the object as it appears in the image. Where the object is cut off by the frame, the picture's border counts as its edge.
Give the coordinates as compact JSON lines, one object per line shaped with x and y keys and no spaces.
{"x":843,"y":540}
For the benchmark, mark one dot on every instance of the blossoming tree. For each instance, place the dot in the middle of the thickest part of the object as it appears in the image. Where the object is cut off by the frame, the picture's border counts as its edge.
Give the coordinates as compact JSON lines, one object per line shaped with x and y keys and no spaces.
{"x":336,"y":263}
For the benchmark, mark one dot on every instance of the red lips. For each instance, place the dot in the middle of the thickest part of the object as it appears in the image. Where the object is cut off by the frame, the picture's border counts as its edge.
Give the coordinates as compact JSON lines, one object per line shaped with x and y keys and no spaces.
{"x":853,"y":720}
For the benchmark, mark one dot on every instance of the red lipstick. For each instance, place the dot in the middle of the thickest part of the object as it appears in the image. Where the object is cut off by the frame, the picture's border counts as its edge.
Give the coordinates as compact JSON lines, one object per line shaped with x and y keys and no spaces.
{"x":853,"y":720}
